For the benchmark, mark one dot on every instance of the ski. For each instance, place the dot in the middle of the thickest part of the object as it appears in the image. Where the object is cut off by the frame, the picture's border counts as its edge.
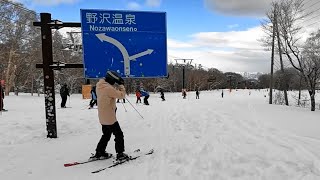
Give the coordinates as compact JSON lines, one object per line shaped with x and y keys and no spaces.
{"x":116,"y":163}
{"x":64,"y":108}
{"x":91,"y":160}
{"x":86,"y":161}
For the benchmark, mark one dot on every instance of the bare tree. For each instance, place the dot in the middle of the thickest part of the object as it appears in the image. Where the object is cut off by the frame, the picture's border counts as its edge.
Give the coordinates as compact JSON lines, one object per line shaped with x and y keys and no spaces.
{"x":310,"y":64}
{"x":290,"y":14}
{"x":272,"y":30}
{"x":17,"y":38}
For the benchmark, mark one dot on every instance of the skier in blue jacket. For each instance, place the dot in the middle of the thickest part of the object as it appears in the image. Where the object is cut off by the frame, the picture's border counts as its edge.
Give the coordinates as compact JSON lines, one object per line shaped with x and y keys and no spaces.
{"x":93,"y":97}
{"x":146,"y":95}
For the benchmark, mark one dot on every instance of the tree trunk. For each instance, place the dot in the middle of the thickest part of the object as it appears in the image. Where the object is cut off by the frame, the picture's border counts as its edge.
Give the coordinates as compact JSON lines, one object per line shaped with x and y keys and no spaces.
{"x":299,"y":91}
{"x":31,"y":85}
{"x":12,"y":78}
{"x":8,"y":83}
{"x":286,"y":97}
{"x":313,"y":101}
{"x":16,"y":91}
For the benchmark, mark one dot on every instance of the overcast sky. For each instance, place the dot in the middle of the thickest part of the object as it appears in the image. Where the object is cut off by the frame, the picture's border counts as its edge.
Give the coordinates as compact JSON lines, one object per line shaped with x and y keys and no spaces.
{"x":216,"y":33}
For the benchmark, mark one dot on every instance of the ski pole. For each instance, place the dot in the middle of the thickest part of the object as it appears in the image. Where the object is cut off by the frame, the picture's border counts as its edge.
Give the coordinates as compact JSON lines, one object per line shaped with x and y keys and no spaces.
{"x":124,"y":107}
{"x":58,"y":101}
{"x":87,"y":106}
{"x":135,"y":108}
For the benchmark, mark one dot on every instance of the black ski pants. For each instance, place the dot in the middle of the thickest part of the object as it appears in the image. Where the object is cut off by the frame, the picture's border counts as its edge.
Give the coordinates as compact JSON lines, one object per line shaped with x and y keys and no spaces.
{"x":64,"y":101}
{"x":145,"y":100}
{"x":107,"y":131}
{"x":93,"y":102}
{"x":1,"y":103}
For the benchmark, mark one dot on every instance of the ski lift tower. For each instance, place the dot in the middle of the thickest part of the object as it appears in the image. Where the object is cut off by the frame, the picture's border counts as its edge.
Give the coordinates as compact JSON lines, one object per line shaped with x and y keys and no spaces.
{"x":183,"y":63}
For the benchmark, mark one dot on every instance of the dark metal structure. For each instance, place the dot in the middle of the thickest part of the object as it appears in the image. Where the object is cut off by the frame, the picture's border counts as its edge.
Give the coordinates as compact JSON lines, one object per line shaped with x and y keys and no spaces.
{"x":49,"y":65}
{"x":184,"y":64}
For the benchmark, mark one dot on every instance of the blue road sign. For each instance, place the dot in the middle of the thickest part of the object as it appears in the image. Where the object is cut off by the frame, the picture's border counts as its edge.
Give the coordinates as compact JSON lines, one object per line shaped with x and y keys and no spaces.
{"x":133,"y":43}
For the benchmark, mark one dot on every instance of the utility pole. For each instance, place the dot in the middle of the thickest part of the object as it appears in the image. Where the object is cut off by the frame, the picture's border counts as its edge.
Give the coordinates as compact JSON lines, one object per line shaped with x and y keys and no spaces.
{"x":49,"y":65}
{"x":280,"y":55}
{"x":185,"y":63}
{"x":272,"y":54}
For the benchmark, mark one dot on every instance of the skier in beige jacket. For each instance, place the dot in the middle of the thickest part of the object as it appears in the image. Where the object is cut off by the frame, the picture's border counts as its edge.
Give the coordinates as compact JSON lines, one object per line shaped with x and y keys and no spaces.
{"x":107,"y":95}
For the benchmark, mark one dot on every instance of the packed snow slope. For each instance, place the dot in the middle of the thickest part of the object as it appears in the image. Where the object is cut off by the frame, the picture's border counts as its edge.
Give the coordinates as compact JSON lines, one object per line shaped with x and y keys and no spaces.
{"x":238,"y":137}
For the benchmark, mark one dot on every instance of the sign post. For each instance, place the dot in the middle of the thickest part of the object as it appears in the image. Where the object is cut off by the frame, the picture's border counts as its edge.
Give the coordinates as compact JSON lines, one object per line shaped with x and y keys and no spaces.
{"x":133,"y":43}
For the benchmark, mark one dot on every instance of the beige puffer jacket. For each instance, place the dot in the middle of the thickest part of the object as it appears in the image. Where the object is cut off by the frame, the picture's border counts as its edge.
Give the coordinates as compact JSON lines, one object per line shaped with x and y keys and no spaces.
{"x":106,"y":96}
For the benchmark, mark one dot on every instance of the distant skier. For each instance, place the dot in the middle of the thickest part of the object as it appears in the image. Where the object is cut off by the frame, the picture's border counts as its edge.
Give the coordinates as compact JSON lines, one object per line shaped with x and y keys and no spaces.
{"x":64,"y":93}
{"x":1,"y":98}
{"x":138,"y":95}
{"x":107,"y":95}
{"x":162,"y":95}
{"x":222,"y":94}
{"x":184,"y":93}
{"x":93,"y":97}
{"x":197,"y":94}
{"x":146,"y":96}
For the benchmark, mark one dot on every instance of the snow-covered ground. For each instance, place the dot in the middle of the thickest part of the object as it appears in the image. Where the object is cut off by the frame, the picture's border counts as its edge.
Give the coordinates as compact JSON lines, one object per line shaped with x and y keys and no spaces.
{"x":237,"y":137}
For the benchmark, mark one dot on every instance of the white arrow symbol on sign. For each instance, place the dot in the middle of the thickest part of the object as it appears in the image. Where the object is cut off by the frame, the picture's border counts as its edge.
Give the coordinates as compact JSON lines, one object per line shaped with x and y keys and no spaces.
{"x":126,"y":58}
{"x":122,"y":49}
{"x":149,"y":51}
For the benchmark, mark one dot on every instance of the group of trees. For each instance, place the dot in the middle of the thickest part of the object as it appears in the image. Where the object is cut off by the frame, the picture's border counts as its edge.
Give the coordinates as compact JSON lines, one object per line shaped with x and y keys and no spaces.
{"x":199,"y":78}
{"x":285,"y":27}
{"x":289,"y":79}
{"x":19,"y":45}
{"x":20,"y":51}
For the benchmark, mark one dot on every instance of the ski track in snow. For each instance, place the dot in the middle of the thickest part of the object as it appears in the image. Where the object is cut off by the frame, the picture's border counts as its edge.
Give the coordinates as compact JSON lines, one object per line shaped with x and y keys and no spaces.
{"x":233,"y":145}
{"x":209,"y":138}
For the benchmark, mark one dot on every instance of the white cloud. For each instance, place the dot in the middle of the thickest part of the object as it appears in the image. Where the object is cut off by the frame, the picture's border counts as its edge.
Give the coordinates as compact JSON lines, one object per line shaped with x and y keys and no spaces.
{"x":177,"y":44}
{"x":237,"y":51}
{"x":232,"y":39}
{"x":239,"y":7}
{"x":134,"y":5}
{"x":153,"y":3}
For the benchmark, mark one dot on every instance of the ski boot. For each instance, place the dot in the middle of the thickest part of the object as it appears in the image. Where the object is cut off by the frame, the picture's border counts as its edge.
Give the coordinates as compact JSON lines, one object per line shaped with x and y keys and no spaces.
{"x":122,"y":157}
{"x":100,"y":156}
